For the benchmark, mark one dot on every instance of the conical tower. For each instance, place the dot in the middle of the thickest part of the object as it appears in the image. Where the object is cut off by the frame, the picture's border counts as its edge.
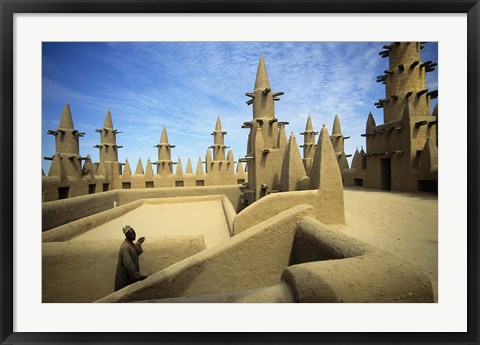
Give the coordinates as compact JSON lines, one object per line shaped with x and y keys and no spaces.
{"x":293,"y":171}
{"x":189,"y":169}
{"x":164,"y":162}
{"x":263,"y":100}
{"x":139,"y":168}
{"x":267,"y":139}
{"x":405,"y":81}
{"x":338,"y":142}
{"x":370,"y":126}
{"x":66,"y":136}
{"x":179,"y":170}
{"x":87,"y":170}
{"x":337,"y":137}
{"x":108,"y":140}
{"x":357,"y":160}
{"x":218,"y":142}
{"x":325,"y":170}
{"x":148,"y":170}
{"x":199,"y":170}
{"x":66,"y":147}
{"x":308,"y":145}
{"x":127,"y":171}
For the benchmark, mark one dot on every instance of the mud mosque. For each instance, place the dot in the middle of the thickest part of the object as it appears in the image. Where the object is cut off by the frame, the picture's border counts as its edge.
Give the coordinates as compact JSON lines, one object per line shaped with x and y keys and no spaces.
{"x":269,"y":236}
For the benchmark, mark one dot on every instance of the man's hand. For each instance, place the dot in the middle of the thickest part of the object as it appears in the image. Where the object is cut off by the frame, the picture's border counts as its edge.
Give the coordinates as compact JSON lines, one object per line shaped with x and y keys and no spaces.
{"x":141,"y":240}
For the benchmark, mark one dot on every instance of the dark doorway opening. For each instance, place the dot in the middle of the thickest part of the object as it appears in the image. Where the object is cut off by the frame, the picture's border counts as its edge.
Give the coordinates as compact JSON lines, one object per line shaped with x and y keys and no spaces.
{"x":429,"y":186}
{"x":358,"y":182}
{"x":63,"y":192}
{"x":386,"y":174}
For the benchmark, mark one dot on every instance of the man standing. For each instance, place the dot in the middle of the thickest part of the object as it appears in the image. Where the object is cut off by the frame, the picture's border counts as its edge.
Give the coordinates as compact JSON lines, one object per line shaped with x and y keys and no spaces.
{"x":128,"y":269}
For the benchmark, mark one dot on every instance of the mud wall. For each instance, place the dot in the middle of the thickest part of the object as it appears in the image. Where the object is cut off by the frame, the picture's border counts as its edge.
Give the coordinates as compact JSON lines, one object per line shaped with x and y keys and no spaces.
{"x":60,"y":212}
{"x":76,"y":272}
{"x":328,"y":205}
{"x":255,"y":258}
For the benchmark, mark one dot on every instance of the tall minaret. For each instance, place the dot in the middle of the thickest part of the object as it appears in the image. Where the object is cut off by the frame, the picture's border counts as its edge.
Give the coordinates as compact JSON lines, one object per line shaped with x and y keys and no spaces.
{"x":164,"y":162}
{"x":108,"y":140}
{"x":262,"y":99}
{"x":405,"y":81}
{"x":308,"y":145}
{"x":66,"y":137}
{"x":67,"y":151}
{"x":264,"y":156}
{"x":218,"y":142}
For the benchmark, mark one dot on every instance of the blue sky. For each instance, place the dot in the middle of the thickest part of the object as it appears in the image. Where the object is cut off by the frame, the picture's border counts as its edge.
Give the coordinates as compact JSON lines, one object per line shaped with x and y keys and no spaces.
{"x":184,"y":86}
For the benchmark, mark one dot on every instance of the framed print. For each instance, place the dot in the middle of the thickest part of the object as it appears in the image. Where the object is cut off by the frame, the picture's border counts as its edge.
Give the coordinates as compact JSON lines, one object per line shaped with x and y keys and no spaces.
{"x":330,"y":205}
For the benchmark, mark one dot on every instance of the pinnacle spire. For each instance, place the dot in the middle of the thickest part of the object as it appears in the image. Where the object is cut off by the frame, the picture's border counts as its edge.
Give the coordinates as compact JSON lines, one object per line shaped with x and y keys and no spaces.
{"x":149,"y":169}
{"x":108,"y":120}
{"x":179,"y":170}
{"x":230,"y":156}
{"x":325,"y":173}
{"x":56,"y":168}
{"x":343,"y":162}
{"x":239,"y":167}
{"x":293,"y":170}
{"x":189,"y":167}
{"x":370,"y":122}
{"x":163,"y":136}
{"x":139,"y":169}
{"x":208,"y":159}
{"x":309,"y":126}
{"x":218,"y":125}
{"x":261,"y":81}
{"x":356,"y":160}
{"x":199,"y":167}
{"x":126,"y":168}
{"x":336,"y":126}
{"x":66,"y":118}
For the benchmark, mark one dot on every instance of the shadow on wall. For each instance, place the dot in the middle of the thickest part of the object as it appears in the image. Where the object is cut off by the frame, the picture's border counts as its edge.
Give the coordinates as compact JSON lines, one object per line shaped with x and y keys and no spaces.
{"x":75,"y":272}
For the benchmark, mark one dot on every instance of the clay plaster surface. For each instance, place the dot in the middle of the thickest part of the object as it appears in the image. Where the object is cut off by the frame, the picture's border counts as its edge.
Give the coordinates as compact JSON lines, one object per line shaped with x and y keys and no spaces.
{"x":400,"y":223}
{"x":205,"y":218}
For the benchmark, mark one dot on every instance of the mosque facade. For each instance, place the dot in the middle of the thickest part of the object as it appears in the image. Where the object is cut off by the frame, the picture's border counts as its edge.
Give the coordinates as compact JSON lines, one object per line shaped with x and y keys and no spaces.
{"x":401,"y":154}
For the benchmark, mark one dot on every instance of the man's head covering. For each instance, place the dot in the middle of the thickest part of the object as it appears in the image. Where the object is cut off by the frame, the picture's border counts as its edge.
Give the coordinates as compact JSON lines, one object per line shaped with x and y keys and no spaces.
{"x":126,"y":228}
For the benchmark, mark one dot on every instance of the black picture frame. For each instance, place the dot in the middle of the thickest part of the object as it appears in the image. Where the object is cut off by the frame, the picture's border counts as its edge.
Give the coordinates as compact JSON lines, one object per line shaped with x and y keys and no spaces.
{"x":10,"y":7}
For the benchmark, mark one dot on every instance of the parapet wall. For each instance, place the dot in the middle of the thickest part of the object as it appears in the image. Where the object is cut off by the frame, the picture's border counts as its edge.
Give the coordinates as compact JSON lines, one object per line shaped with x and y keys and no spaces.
{"x":255,"y":258}
{"x":290,"y":257}
{"x":335,"y":268}
{"x":73,"y":272}
{"x":328,"y":205}
{"x":60,"y":212}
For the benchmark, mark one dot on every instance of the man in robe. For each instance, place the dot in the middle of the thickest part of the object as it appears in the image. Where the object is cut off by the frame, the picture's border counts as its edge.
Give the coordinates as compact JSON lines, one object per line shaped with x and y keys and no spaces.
{"x":128,"y":268}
